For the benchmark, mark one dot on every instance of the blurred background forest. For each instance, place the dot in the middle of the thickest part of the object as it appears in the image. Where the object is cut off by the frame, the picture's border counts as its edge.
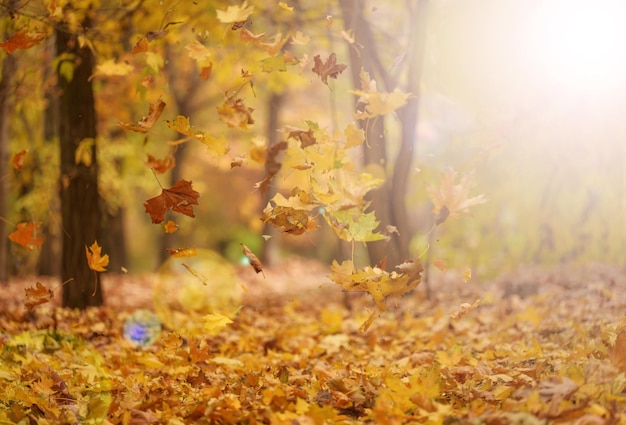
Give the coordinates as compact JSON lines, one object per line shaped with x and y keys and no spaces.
{"x":525,"y":97}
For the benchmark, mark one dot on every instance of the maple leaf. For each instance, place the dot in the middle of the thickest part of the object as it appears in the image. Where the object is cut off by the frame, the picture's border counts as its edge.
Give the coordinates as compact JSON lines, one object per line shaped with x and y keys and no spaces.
{"x":215,"y":322}
{"x":327,"y":69}
{"x":235,"y":113}
{"x":234,"y":14}
{"x":450,"y":199}
{"x":354,"y":136}
{"x":37,"y":296}
{"x":96,"y":261}
{"x":180,"y":198}
{"x":146,"y":123}
{"x":22,"y":40}
{"x":161,"y":165}
{"x":254,"y":261}
{"x":380,"y":103}
{"x":18,"y":159}
{"x":198,"y":52}
{"x":354,"y":225}
{"x":306,"y":138}
{"x":26,"y":235}
{"x":248,"y":37}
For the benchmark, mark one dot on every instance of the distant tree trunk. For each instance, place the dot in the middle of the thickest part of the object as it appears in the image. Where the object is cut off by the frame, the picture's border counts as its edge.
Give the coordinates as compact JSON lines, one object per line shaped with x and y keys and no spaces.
{"x":8,"y":69}
{"x":48,"y":264}
{"x":269,"y":254}
{"x":389,"y":201}
{"x":80,"y":207}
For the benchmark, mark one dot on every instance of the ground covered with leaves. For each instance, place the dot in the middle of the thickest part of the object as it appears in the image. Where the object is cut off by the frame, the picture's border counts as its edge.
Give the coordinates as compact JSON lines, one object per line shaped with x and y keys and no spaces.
{"x":541,"y":346}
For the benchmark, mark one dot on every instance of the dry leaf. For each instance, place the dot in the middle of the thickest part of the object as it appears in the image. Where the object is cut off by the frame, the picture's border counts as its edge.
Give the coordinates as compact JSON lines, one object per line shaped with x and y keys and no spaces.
{"x":465,"y":309}
{"x":18,"y":159}
{"x":26,"y":235}
{"x":146,"y":123}
{"x":96,"y":261}
{"x":328,"y":69}
{"x":180,"y":198}
{"x":254,"y":261}
{"x":161,"y":166}
{"x":22,"y":40}
{"x":37,"y":295}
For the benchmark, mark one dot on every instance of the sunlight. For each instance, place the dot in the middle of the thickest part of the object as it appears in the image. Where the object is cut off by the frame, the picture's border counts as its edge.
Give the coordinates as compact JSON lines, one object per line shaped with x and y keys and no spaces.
{"x":579,"y":43}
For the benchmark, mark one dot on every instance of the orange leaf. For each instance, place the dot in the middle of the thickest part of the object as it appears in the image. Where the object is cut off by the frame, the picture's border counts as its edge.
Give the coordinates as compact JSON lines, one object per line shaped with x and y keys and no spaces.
{"x":140,"y":46}
{"x":25,"y":235}
{"x":161,"y":165}
{"x":235,"y":113}
{"x":183,"y":252}
{"x":18,"y":159}
{"x":180,"y":198}
{"x":254,"y":261}
{"x":617,"y":353}
{"x":22,"y":40}
{"x":96,"y":261}
{"x":170,"y":227}
{"x":146,"y":123}
{"x":327,"y":69}
{"x":37,"y":295}
{"x":205,"y":72}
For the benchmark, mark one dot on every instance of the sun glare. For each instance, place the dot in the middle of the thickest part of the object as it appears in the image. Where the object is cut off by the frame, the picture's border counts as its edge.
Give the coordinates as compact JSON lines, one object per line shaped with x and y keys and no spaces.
{"x":580,"y":43}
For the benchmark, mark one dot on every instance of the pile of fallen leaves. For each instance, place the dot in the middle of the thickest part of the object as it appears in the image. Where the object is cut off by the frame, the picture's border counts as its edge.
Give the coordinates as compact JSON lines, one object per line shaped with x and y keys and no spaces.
{"x":539,"y":347}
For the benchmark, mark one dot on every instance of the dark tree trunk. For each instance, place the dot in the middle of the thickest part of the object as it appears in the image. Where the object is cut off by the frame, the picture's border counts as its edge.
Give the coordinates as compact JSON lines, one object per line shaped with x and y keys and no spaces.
{"x":389,"y":201}
{"x":80,"y":209}
{"x":269,"y":254}
{"x":8,"y":69}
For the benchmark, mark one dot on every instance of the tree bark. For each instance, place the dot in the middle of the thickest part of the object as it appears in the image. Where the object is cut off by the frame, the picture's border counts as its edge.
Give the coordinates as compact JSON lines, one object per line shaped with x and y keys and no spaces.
{"x":8,"y":69}
{"x":80,"y":207}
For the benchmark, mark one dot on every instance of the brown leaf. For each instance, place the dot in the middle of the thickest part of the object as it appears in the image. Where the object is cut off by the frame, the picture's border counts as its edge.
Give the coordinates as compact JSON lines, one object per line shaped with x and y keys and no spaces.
{"x":37,"y":295}
{"x":25,"y":235}
{"x":146,"y":123}
{"x":272,"y":166}
{"x":235,"y":113}
{"x":237,"y":161}
{"x":617,"y":353}
{"x":22,"y":40}
{"x":18,"y":159}
{"x":180,"y":198}
{"x":329,"y":68}
{"x":306,"y":137}
{"x":96,"y":261}
{"x":254,"y":261}
{"x":160,"y":166}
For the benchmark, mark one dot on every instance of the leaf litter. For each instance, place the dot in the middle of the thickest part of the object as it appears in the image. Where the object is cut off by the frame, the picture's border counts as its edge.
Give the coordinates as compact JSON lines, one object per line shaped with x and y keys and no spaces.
{"x":540,"y":347}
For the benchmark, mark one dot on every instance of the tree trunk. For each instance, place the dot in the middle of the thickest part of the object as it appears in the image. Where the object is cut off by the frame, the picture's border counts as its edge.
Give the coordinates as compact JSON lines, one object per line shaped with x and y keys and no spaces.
{"x":8,"y":69}
{"x":269,"y":254}
{"x":80,"y":207}
{"x":389,"y":201}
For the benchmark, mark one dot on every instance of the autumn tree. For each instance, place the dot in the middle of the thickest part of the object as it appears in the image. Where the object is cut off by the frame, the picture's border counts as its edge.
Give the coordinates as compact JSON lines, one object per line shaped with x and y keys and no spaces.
{"x":395,"y":61}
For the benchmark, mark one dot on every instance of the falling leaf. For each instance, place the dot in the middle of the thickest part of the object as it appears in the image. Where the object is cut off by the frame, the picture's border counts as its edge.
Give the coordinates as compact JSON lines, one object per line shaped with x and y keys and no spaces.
{"x":26,"y":235}
{"x":327,"y":69}
{"x":467,"y":275}
{"x":215,"y":322}
{"x":22,"y":40}
{"x":380,"y":103}
{"x":237,"y":161}
{"x":354,"y":136}
{"x":37,"y":295}
{"x":146,"y":123}
{"x":235,"y":113}
{"x":465,"y":309}
{"x":274,"y":64}
{"x":161,"y":165}
{"x":451,"y":198}
{"x":205,"y":72}
{"x":198,"y":52}
{"x":183,"y":252}
{"x":170,"y":227}
{"x":440,"y":264}
{"x":179,"y":198}
{"x":248,"y":37}
{"x":84,"y":152}
{"x":285,"y":6}
{"x":234,"y":13}
{"x":305,"y":137}
{"x":254,"y":261}
{"x":111,"y":68}
{"x":18,"y":159}
{"x":300,"y":39}
{"x":140,"y":46}
{"x":96,"y":261}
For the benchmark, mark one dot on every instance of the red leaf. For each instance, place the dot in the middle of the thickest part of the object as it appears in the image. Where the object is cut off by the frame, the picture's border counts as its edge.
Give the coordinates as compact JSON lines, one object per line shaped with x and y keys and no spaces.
{"x":180,"y":198}
{"x":22,"y":40}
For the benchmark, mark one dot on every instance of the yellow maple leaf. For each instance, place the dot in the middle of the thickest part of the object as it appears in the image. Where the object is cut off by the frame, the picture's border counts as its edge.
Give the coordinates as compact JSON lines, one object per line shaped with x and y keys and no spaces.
{"x":197,"y":51}
{"x":235,"y":13}
{"x":380,"y":103}
{"x":215,"y":322}
{"x":96,"y":261}
{"x":354,"y":136}
{"x":451,"y":198}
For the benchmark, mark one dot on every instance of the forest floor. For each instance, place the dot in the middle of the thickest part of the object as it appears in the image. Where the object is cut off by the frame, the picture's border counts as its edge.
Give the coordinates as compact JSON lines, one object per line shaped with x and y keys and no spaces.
{"x":541,"y":346}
